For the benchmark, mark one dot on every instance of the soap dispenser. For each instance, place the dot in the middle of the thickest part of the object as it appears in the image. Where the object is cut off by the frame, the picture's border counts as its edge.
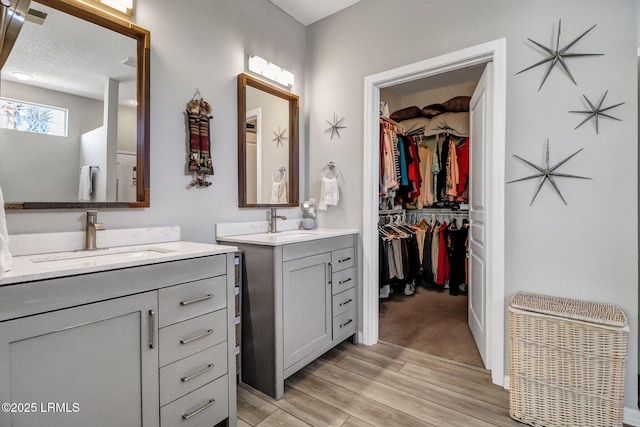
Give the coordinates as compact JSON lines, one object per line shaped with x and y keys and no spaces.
{"x":309,"y":214}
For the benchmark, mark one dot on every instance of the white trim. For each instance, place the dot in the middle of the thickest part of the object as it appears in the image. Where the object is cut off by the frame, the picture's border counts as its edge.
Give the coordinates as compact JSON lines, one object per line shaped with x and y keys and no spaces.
{"x":492,"y":51}
{"x":632,"y":416}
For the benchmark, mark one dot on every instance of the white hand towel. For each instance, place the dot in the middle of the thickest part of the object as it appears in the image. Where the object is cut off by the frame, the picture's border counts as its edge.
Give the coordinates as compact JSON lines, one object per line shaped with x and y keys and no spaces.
{"x":84,"y":190}
{"x":279,"y":192}
{"x":5,"y":257}
{"x":329,"y":194}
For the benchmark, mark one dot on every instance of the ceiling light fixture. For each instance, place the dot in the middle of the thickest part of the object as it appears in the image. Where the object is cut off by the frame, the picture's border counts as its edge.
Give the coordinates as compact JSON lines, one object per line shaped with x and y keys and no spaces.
{"x":270,"y":71}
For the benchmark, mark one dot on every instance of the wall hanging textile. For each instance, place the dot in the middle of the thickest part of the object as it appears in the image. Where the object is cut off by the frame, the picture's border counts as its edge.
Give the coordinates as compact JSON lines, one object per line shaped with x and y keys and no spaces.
{"x":199,"y":162}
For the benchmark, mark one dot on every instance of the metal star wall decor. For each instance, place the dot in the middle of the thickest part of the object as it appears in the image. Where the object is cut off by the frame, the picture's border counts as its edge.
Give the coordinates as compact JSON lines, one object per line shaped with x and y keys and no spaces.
{"x":335,"y":126}
{"x":558,"y":55}
{"x":597,"y":111}
{"x":547,"y":173}
{"x":279,"y":137}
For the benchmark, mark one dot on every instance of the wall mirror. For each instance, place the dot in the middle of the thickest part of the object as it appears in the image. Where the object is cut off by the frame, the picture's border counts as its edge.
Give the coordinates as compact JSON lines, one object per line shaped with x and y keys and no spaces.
{"x":267,"y":145}
{"x":76,"y":134}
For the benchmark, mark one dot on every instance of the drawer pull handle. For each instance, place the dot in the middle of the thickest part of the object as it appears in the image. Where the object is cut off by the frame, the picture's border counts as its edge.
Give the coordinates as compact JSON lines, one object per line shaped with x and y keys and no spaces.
{"x":342,"y":282}
{"x":200,"y":409}
{"x":345,"y":259}
{"x":200,"y":372}
{"x":346,"y":302}
{"x":204,"y":298}
{"x":152,"y":329}
{"x":345,"y":324}
{"x":197,"y":337}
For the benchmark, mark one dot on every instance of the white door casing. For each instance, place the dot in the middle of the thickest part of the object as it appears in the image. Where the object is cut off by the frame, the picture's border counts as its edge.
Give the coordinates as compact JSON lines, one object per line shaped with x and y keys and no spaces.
{"x":493,"y":188}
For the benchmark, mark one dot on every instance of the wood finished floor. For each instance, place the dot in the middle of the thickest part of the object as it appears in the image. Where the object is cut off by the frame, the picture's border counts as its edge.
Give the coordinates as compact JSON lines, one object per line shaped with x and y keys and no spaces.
{"x":381,"y":385}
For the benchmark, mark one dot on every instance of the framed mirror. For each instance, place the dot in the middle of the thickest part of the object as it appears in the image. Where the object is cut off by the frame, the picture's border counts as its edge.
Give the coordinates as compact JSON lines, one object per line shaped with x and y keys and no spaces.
{"x":267,"y":145}
{"x":76,"y":134}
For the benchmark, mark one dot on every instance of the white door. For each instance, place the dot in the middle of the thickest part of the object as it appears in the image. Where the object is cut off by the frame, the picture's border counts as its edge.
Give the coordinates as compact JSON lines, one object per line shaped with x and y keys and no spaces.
{"x":479,"y":116}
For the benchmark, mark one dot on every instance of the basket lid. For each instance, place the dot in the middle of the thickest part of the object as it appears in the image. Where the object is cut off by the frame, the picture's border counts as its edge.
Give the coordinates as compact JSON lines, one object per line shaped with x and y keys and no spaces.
{"x":586,"y":311}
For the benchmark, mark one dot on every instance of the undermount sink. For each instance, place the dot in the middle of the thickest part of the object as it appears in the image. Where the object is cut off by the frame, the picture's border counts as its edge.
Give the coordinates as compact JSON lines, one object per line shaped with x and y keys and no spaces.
{"x":98,"y":257}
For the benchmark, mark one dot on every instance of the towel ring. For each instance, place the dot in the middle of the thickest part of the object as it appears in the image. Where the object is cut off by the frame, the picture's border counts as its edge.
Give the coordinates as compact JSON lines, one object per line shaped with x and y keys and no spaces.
{"x":331,"y":169}
{"x":283,"y":173}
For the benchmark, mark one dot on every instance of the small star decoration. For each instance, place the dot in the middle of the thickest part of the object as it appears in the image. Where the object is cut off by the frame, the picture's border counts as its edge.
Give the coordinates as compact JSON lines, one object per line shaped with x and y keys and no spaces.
{"x":279,"y":137}
{"x":547,"y":173}
{"x":335,"y":126}
{"x":558,"y":55}
{"x":597,"y":111}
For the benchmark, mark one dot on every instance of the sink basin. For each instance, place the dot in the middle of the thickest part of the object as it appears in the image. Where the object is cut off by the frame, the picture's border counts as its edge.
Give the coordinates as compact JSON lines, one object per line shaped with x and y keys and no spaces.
{"x":98,"y":257}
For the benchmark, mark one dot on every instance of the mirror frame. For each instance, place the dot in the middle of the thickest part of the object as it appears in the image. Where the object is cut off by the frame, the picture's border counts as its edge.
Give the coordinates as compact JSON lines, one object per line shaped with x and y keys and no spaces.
{"x":245,"y":80}
{"x":142,"y":37}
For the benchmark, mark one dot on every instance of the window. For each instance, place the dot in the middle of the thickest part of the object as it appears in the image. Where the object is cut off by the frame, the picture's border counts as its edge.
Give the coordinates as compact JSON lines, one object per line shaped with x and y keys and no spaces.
{"x":27,"y":117}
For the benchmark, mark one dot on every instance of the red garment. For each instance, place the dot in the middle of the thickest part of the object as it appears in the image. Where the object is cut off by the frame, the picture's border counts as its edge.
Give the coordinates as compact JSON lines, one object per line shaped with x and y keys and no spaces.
{"x":413,"y":169}
{"x":462,"y":152}
{"x":443,"y":257}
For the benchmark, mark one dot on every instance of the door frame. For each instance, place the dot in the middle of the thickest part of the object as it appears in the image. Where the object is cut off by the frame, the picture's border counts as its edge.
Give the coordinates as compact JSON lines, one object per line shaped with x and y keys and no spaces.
{"x":494,"y":51}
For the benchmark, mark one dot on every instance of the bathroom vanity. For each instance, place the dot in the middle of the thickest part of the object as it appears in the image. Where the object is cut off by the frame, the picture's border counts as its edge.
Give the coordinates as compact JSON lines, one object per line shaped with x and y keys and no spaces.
{"x":299,"y":298}
{"x":132,"y":336}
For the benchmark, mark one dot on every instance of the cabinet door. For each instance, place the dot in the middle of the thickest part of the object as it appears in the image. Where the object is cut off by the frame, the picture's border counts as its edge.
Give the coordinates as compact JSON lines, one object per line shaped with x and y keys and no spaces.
{"x":91,"y":365}
{"x":306,"y":297}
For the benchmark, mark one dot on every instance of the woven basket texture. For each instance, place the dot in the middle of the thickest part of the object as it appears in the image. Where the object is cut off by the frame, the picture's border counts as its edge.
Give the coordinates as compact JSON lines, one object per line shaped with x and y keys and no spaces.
{"x":566,"y":368}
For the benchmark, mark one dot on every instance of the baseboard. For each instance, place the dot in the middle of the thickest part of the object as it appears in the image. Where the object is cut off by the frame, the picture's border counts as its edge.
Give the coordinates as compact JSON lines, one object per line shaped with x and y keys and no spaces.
{"x":507,"y":382}
{"x":632,"y":417}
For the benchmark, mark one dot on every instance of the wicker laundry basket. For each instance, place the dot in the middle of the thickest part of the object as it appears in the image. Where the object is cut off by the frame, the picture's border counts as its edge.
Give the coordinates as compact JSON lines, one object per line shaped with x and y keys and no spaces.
{"x":568,"y":362}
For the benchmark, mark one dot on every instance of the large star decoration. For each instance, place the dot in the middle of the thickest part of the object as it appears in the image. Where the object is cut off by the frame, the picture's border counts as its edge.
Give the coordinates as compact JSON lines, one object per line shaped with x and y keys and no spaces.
{"x":547,"y":173}
{"x":558,"y":55}
{"x":597,"y":111}
{"x":335,"y":126}
{"x":279,"y":137}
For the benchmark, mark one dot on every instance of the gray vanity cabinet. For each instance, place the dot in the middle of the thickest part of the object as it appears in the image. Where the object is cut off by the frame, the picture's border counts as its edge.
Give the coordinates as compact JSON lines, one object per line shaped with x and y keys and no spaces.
{"x":306,"y":307}
{"x":111,"y":379}
{"x":291,"y":312}
{"x":151,"y":345}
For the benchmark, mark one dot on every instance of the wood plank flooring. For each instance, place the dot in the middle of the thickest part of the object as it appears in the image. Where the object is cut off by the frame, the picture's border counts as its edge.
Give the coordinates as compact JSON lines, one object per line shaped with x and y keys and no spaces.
{"x":381,"y":385}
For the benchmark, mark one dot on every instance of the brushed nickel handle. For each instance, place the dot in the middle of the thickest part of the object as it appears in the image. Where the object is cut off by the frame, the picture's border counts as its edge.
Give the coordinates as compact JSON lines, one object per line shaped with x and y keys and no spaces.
{"x":197,"y":337}
{"x":344,"y":259}
{"x":152,"y":329}
{"x":345,"y":324}
{"x":346,"y":302}
{"x":204,"y":298}
{"x":200,"y":409}
{"x":342,"y":282}
{"x":200,"y":372}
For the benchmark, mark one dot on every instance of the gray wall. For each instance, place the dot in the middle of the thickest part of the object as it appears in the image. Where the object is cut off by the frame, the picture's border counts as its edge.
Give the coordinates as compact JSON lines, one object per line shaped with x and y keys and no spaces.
{"x":203,"y":47}
{"x":586,"y":250}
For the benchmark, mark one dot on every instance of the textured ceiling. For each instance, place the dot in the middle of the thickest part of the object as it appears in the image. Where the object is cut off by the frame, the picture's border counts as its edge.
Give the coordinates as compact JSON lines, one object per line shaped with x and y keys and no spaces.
{"x":309,"y":11}
{"x":70,"y":55}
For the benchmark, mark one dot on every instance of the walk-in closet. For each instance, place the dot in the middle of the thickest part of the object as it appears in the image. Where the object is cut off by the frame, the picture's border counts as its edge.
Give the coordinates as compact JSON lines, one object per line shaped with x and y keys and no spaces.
{"x":423,"y":228}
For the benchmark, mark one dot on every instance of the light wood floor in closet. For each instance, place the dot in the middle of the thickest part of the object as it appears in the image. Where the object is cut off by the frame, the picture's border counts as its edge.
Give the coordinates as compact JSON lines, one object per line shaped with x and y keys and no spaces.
{"x":381,"y":385}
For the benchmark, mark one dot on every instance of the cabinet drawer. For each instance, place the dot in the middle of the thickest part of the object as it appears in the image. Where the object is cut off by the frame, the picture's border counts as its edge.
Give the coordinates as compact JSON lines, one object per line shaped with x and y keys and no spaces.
{"x":206,"y":406}
{"x":344,"y":325}
{"x":343,"y":258}
{"x":182,"y":302}
{"x":343,"y":280}
{"x":344,"y":301}
{"x":185,"y":338}
{"x":190,"y":373}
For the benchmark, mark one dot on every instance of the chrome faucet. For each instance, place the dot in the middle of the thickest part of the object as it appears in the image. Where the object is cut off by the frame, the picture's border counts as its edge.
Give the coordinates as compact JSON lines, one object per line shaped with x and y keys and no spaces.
{"x":92,"y":227}
{"x":273,"y":218}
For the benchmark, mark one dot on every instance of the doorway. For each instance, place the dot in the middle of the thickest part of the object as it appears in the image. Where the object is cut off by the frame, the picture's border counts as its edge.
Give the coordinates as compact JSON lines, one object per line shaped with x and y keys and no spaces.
{"x":493,"y":301}
{"x":425,"y":305}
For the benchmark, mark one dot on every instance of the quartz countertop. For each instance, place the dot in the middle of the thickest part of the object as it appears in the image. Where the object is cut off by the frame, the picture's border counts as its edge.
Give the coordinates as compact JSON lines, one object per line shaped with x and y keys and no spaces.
{"x":27,"y":268}
{"x":286,"y":237}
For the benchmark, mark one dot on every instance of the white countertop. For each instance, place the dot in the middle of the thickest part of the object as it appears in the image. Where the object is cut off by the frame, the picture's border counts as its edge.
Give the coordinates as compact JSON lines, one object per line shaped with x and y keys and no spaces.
{"x":28,"y":268}
{"x":287,"y":237}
